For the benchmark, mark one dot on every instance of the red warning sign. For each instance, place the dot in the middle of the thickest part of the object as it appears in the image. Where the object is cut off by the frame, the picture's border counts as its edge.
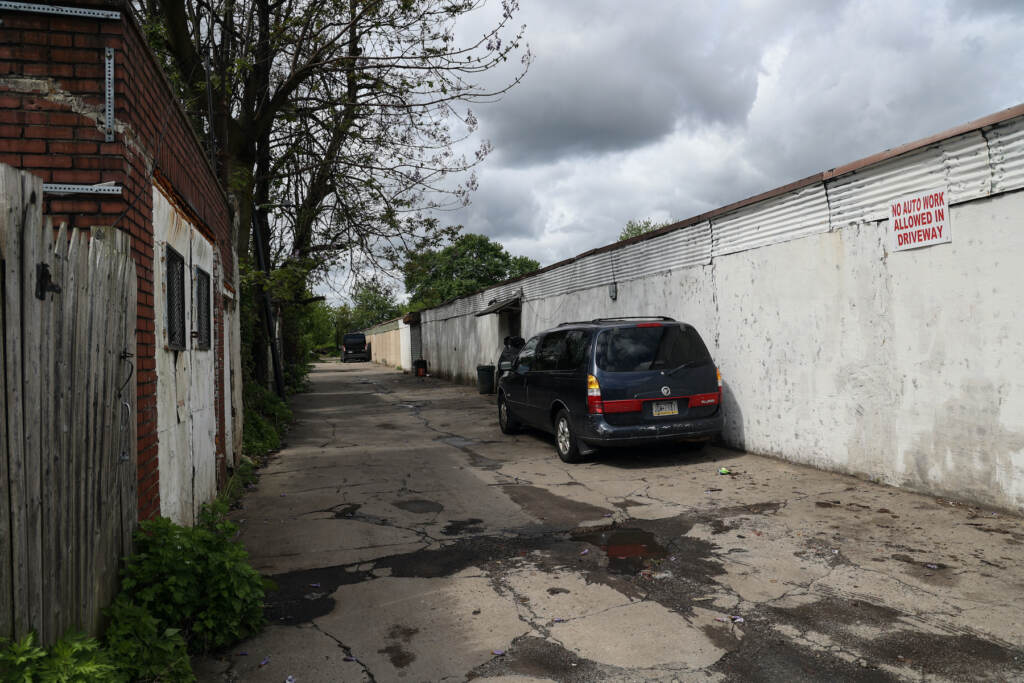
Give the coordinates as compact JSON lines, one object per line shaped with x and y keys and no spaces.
{"x":919,"y":220}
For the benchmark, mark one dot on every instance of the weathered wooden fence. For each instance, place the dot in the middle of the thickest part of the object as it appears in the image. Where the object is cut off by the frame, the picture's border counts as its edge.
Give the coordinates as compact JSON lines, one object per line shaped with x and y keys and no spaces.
{"x":68,"y":467}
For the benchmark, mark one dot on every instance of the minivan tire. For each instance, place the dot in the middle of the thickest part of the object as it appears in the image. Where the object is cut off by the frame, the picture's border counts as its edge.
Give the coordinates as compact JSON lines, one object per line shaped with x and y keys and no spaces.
{"x":565,"y":440}
{"x":507,"y":423}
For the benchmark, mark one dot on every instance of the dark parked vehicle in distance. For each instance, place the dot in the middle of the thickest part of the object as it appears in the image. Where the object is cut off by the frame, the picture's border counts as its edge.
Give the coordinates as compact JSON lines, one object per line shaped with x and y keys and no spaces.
{"x":353,"y":347}
{"x":613,"y":382}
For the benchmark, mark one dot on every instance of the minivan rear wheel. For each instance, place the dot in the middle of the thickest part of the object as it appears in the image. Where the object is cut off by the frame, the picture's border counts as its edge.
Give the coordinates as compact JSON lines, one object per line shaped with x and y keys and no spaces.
{"x":565,"y":440}
{"x":507,"y":423}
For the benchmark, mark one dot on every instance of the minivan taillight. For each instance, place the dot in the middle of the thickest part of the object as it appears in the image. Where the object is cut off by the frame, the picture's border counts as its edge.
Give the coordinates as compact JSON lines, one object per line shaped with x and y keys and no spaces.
{"x":594,"y":405}
{"x":718,"y":374}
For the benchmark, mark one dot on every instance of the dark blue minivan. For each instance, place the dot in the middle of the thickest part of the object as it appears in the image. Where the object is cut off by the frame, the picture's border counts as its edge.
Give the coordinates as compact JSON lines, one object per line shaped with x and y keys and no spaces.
{"x":613,"y":382}
{"x":353,"y":347}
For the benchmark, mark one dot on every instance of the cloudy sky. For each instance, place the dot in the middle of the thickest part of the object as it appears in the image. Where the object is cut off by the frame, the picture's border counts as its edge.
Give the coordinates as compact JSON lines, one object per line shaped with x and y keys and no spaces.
{"x":668,"y":109}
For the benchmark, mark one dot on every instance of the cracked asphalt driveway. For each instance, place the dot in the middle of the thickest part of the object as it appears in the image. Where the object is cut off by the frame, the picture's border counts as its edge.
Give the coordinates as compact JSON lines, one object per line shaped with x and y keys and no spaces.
{"x":410,"y":540}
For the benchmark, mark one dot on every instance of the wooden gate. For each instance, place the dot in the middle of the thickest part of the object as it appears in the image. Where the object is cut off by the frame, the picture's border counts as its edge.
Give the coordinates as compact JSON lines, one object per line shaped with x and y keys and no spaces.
{"x":68,"y":464}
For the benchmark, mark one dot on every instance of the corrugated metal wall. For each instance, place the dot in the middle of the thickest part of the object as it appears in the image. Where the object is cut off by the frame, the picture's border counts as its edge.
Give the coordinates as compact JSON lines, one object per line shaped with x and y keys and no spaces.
{"x":1006,"y":154}
{"x":796,"y":214}
{"x":972,"y":165}
{"x":960,"y":164}
{"x":416,"y":341}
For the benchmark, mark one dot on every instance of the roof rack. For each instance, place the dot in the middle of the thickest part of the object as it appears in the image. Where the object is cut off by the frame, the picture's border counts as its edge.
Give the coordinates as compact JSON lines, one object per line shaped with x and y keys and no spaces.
{"x":633,"y":317}
{"x":618,"y":318}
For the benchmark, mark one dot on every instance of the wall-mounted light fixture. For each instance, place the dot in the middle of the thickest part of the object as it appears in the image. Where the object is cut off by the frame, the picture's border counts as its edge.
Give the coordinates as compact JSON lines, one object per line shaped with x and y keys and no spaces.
{"x":613,"y":291}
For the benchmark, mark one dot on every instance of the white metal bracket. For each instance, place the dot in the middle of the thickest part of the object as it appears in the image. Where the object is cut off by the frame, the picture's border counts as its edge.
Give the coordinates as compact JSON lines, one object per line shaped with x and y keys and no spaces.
{"x":69,"y":188}
{"x":54,"y":9}
{"x":109,"y":101}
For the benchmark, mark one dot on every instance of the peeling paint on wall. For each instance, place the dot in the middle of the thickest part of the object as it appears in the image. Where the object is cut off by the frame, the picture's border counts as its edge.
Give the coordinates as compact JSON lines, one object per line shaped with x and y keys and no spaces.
{"x":185,"y":378}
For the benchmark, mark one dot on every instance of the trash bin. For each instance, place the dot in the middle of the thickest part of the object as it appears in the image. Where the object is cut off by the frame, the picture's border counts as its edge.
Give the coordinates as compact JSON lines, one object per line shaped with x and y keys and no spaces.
{"x":419,"y":368}
{"x":485,"y":379}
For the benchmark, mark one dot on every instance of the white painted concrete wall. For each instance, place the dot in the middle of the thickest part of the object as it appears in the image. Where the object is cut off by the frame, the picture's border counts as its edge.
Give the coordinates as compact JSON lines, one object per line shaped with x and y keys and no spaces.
{"x":903,"y":366}
{"x":391,"y":343}
{"x":907,"y":367}
{"x":453,"y":347}
{"x":405,"y":347}
{"x":185,"y":391}
{"x":203,"y":390}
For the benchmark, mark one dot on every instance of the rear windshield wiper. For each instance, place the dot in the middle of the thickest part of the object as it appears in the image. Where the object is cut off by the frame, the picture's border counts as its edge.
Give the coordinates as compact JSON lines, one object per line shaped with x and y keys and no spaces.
{"x":687,"y":364}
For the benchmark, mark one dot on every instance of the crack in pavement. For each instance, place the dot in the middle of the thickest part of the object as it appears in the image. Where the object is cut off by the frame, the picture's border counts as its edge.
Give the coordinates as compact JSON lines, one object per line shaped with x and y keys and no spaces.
{"x":334,"y":433}
{"x":830,"y":621}
{"x":348,"y":653}
{"x":504,"y":588}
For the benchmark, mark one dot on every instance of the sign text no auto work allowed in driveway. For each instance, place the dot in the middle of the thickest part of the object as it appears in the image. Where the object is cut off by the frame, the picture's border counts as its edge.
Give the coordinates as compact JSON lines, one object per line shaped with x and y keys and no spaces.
{"x":919,"y":220}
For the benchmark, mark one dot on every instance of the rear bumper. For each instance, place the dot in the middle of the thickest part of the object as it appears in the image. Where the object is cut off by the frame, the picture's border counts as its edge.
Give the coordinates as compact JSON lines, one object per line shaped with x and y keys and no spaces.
{"x":356,"y":355}
{"x":595,"y":431}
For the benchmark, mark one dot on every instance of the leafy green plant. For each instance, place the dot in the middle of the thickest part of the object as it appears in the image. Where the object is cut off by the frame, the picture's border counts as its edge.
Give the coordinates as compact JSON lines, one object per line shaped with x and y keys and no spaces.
{"x":141,"y":648}
{"x":184,"y":590}
{"x":635,"y":228}
{"x":197,"y":579}
{"x":77,"y":658}
{"x":73,"y":659}
{"x":266,"y":420}
{"x":20,"y":659}
{"x":243,"y":476}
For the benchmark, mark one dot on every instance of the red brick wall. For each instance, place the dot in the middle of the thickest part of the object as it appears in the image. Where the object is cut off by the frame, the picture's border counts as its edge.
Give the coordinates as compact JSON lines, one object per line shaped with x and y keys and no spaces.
{"x":51,"y":119}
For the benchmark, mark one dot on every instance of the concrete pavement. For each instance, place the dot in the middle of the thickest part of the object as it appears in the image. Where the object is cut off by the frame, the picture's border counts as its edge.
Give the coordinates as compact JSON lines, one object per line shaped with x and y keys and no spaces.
{"x":410,"y":540}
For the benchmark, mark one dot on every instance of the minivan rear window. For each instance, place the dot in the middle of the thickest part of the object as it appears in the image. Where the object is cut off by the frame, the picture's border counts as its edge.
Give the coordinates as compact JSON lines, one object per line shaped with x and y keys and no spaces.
{"x":662,"y":347}
{"x":354,"y":339}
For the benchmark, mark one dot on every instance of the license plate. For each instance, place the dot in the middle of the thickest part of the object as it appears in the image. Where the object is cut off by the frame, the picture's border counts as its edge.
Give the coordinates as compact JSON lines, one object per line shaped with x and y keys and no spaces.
{"x":661,"y":408}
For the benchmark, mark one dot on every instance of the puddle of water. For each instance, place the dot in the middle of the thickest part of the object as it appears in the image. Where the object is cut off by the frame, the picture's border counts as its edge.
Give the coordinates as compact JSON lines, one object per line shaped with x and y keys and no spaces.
{"x":628,"y":550}
{"x":419,"y":507}
{"x":463,"y":526}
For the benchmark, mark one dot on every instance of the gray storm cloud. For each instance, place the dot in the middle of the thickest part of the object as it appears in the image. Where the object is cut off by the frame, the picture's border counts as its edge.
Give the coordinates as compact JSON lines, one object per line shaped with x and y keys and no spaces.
{"x":672,"y":109}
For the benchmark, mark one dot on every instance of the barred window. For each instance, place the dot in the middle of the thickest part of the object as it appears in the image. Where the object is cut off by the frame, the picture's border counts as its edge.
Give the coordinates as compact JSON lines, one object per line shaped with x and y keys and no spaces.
{"x":202,"y":309}
{"x":175,"y":300}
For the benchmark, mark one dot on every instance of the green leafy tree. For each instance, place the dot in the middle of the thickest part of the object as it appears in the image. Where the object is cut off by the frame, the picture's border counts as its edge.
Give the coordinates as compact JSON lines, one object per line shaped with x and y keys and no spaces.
{"x":320,"y":321}
{"x":334,"y":123}
{"x":344,"y":321}
{"x":333,"y":115}
{"x":635,"y":228}
{"x":373,"y":302}
{"x":470,"y":263}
